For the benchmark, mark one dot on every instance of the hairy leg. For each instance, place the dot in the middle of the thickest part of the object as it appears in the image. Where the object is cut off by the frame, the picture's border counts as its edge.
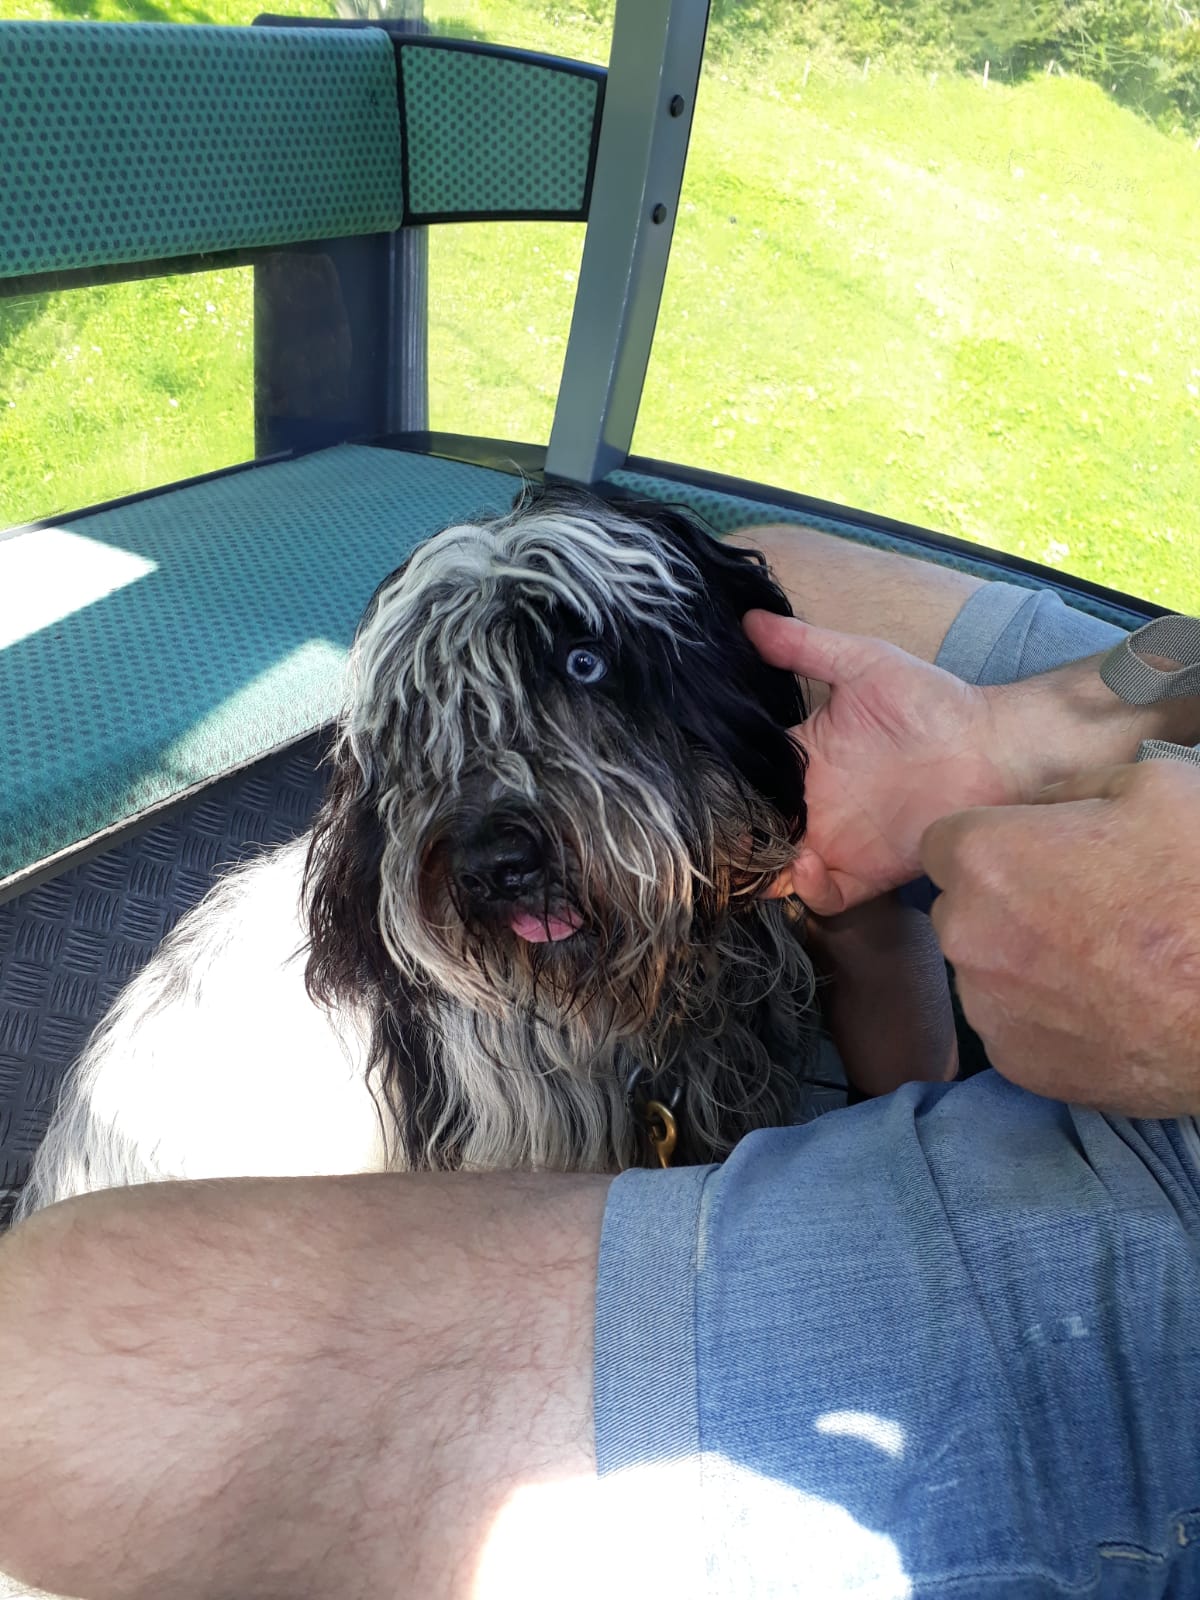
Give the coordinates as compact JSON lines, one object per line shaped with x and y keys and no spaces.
{"x":368,"y":1386}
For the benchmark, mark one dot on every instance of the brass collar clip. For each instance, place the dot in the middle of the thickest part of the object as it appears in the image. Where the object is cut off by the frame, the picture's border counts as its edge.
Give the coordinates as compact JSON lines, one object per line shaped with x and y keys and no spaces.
{"x":659,"y":1116}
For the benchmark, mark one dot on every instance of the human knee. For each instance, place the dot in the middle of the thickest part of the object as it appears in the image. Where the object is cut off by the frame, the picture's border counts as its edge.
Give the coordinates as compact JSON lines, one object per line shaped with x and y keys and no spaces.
{"x":149,"y":1405}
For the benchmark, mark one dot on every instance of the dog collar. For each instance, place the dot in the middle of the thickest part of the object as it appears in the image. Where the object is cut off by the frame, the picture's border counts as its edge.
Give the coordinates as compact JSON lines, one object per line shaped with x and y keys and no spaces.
{"x":659,"y":1116}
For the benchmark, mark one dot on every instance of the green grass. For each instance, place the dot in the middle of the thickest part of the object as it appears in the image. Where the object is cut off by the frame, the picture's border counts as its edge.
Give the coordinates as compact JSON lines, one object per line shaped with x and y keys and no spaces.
{"x":105,"y":391}
{"x":970,"y":307}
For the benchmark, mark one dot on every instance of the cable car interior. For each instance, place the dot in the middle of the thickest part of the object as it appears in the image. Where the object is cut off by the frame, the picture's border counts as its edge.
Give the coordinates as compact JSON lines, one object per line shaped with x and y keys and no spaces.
{"x":172,"y":652}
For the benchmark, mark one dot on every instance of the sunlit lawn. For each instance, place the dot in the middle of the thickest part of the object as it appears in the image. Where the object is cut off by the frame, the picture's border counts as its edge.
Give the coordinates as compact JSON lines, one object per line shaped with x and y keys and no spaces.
{"x":969,"y":307}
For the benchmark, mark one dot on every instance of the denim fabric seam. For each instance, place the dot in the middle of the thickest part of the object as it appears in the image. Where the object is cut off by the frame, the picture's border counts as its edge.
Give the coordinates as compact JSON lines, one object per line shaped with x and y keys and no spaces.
{"x":982,"y":624}
{"x":648,"y":1276}
{"x":1189,"y":1132}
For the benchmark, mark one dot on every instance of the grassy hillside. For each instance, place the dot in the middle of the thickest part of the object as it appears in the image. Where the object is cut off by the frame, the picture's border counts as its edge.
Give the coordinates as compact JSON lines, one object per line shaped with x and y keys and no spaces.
{"x":968,"y":306}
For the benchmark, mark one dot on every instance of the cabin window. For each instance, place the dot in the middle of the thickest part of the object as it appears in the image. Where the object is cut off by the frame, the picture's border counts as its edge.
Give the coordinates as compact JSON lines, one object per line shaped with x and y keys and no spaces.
{"x":939,"y":262}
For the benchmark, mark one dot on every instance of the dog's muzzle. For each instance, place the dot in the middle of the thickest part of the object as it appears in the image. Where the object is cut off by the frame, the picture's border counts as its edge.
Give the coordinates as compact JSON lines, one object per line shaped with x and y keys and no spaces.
{"x":501,"y":874}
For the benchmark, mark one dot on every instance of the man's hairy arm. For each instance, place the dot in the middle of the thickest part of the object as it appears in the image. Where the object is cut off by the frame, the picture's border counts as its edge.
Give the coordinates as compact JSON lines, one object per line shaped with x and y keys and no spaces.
{"x":852,"y":588}
{"x":381,"y":1387}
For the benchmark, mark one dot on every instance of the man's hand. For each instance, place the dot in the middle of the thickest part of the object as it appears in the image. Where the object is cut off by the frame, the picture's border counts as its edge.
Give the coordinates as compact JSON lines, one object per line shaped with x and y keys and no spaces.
{"x":1074,"y":930}
{"x":898,"y":744}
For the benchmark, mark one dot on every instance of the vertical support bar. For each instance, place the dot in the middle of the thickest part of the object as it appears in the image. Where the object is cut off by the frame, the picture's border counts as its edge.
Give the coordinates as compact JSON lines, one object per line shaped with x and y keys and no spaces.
{"x":408,"y":357}
{"x":341,"y":326}
{"x":653,"y":74}
{"x":323,"y":320}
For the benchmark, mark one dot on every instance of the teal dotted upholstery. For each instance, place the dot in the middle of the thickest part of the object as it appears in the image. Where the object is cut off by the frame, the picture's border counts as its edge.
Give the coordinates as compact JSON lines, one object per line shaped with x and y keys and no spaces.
{"x":725,"y":512}
{"x":490,"y":135}
{"x":124,"y":142}
{"x":219,"y":633}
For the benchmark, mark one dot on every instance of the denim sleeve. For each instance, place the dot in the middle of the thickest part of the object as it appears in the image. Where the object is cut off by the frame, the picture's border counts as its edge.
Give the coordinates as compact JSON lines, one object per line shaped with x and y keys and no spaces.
{"x":1005,"y":632}
{"x":940,"y":1345}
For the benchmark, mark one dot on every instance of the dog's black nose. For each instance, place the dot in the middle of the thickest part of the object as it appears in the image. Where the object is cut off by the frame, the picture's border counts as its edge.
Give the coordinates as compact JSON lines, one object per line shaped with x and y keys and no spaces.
{"x":505,"y":867}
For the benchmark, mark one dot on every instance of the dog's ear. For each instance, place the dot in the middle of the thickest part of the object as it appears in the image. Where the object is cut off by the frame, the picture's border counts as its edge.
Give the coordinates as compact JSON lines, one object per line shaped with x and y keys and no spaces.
{"x":731,"y":700}
{"x":737,"y":577}
{"x":734,"y":580}
{"x":348,"y":963}
{"x":347,"y":956}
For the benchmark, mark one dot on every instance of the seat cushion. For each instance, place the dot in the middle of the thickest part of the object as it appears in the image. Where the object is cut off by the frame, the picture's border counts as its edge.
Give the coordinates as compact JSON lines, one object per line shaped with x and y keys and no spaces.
{"x":150,"y":647}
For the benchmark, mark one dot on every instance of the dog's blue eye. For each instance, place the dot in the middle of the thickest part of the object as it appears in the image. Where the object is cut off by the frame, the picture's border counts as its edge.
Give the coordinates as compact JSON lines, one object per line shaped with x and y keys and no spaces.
{"x":586,"y":665}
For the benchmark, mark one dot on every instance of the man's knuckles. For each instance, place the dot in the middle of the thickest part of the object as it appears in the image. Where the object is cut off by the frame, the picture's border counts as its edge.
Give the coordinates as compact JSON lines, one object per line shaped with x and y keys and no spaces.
{"x":971,"y":852}
{"x":1163,"y":784}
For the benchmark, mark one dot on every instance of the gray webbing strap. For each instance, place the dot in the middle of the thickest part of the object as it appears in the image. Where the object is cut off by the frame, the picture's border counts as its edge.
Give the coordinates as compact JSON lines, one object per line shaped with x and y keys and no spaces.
{"x":1160,"y":750}
{"x":1135,"y":681}
{"x":1140,"y":684}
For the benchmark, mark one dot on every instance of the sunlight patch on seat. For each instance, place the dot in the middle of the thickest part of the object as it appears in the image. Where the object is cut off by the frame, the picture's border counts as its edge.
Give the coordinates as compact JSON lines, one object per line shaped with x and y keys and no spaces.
{"x":47,"y":575}
{"x":302,"y":690}
{"x":886,"y":1435}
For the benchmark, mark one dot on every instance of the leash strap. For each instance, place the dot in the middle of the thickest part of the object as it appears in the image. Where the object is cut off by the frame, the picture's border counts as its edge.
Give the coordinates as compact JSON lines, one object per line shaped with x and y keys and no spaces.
{"x":1134,"y":680}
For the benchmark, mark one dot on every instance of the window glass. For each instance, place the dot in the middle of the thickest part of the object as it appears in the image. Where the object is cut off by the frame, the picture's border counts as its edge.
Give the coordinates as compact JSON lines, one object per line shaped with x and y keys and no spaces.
{"x":938,"y":262}
{"x":109,"y":390}
{"x":500,"y":301}
{"x":580,"y":31}
{"x":219,"y":13}
{"x":501,"y":293}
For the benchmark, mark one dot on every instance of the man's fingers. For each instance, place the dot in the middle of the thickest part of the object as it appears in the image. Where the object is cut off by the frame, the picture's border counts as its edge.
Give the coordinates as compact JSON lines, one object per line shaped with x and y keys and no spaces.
{"x":781,"y":888}
{"x":942,"y":841}
{"x":811,"y":652}
{"x":821,"y":890}
{"x":809,"y":879}
{"x":970,"y":840}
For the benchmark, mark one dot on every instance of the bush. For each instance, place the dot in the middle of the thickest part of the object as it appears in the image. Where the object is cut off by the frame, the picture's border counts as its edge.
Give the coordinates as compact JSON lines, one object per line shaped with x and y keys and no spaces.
{"x":1146,"y":53}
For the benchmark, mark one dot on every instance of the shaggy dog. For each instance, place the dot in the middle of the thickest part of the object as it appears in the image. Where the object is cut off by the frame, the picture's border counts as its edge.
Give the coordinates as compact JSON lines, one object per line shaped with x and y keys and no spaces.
{"x":525,"y":930}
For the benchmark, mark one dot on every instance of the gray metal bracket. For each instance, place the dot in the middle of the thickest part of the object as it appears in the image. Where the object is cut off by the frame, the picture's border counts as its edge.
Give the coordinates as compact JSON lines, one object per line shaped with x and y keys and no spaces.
{"x":653,"y":75}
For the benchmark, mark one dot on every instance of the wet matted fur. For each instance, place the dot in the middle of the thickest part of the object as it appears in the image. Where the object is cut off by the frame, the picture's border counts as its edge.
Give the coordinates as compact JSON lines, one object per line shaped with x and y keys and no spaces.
{"x":562,"y":780}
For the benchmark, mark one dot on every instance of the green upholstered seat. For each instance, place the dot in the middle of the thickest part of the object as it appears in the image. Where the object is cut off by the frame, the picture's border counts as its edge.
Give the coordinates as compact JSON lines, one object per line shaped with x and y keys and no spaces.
{"x":131,"y":142}
{"x":127,"y":142}
{"x":494,"y":134}
{"x":152,"y":646}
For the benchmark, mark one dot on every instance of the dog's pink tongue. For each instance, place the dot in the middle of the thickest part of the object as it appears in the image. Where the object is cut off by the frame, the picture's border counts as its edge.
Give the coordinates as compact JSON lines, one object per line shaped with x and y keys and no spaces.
{"x":544,"y":930}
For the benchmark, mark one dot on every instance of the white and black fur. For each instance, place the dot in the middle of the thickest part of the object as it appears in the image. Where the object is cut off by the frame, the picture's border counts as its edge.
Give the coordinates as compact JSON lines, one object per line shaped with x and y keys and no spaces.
{"x":530,"y":900}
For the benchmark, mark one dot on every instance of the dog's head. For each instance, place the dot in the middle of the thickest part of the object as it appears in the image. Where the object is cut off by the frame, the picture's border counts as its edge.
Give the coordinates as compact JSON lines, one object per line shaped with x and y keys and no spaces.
{"x":563,"y":769}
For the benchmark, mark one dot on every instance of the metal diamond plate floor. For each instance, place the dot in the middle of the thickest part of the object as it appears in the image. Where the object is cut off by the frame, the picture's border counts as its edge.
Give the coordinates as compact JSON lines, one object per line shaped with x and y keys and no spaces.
{"x":68,"y":947}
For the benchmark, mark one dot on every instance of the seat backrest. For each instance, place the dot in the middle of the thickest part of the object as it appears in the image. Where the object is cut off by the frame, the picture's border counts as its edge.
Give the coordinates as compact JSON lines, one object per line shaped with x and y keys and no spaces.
{"x":126,"y":143}
{"x":132,"y":142}
{"x":303,"y":149}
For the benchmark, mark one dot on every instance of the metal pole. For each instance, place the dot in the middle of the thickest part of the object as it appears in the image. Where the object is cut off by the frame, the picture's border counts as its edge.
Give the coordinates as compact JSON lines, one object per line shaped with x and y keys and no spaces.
{"x":408,"y":359}
{"x":654,"y":70}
